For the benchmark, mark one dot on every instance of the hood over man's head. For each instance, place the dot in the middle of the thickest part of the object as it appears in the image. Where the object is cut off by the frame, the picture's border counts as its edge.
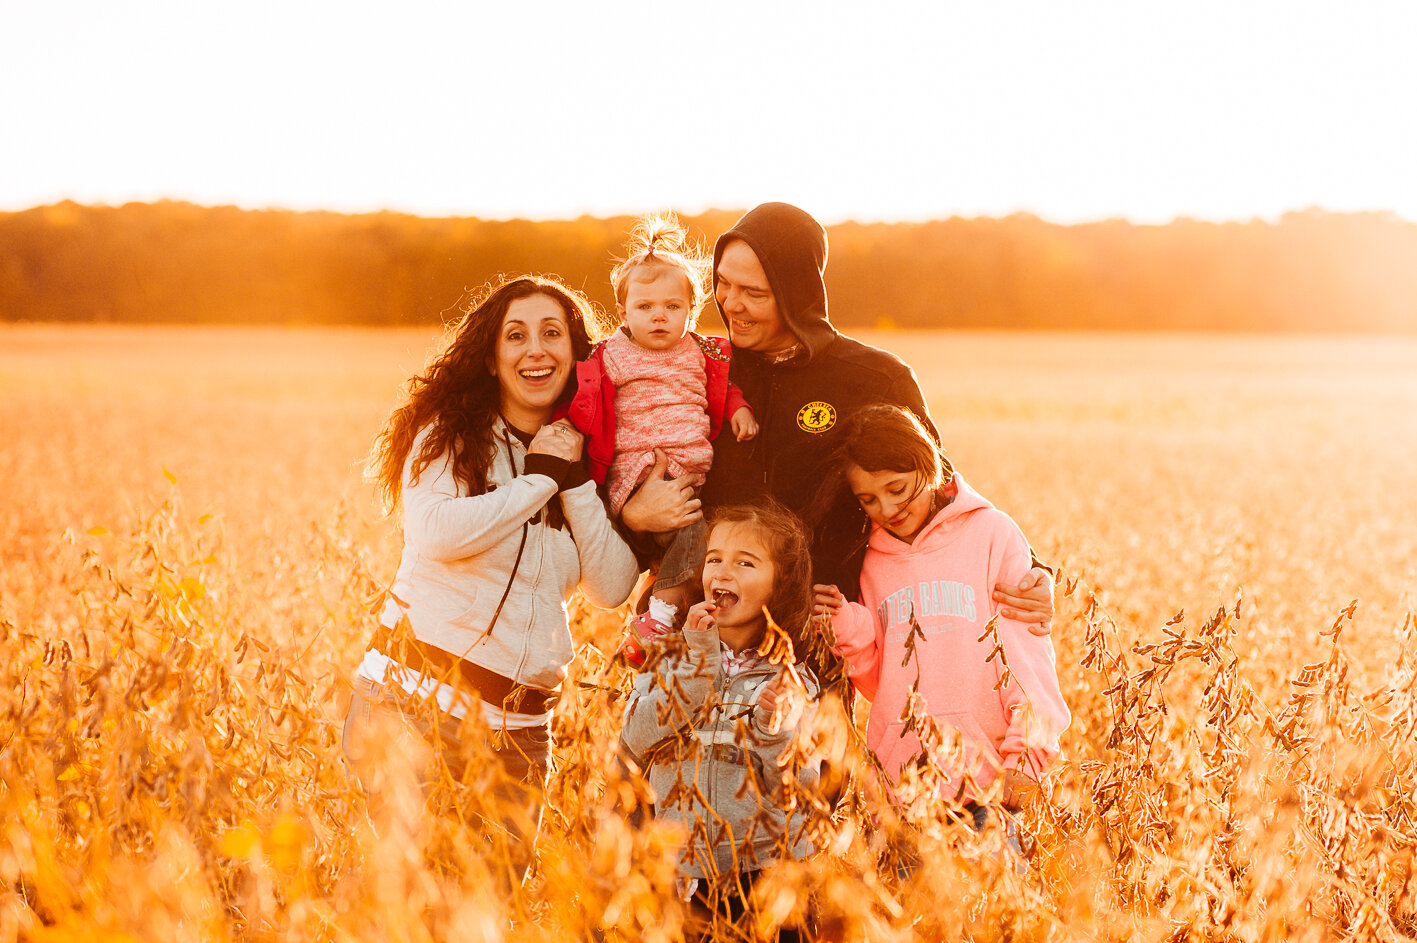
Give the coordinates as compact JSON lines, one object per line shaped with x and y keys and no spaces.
{"x":791,"y":247}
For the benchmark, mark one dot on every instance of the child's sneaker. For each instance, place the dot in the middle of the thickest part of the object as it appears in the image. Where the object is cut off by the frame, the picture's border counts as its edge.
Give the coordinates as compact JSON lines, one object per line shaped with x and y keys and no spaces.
{"x":643,"y":630}
{"x":654,"y":623}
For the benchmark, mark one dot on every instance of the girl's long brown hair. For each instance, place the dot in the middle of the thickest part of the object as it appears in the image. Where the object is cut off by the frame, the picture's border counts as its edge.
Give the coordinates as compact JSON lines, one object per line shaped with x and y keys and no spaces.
{"x":457,"y":396}
{"x":881,"y":437}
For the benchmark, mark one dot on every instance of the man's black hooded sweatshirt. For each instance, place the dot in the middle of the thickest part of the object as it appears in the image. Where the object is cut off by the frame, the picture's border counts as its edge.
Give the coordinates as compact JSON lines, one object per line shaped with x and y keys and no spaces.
{"x":802,"y":402}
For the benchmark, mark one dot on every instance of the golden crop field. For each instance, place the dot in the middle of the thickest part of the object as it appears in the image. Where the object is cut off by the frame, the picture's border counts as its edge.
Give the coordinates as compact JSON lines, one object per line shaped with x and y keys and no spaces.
{"x":189,"y":554}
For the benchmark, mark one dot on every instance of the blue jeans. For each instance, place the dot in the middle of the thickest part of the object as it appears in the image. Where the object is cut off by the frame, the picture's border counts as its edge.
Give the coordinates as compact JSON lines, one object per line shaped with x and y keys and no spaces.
{"x":683,"y":558}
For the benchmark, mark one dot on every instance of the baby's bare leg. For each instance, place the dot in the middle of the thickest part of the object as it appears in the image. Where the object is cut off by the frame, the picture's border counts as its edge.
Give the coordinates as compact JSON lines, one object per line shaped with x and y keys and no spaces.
{"x":681,"y":597}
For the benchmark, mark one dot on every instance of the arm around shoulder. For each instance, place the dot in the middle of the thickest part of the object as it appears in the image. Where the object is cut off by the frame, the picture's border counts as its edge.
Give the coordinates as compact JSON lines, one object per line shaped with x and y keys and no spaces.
{"x":1033,"y":699}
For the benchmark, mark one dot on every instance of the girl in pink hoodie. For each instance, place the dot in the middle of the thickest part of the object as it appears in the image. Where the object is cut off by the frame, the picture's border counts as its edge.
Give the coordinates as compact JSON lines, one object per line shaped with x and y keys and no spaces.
{"x":935,"y":551}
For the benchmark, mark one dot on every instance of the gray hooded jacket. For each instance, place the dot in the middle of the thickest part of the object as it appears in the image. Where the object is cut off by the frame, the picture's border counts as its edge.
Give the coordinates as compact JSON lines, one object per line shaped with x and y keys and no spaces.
{"x":711,"y":761}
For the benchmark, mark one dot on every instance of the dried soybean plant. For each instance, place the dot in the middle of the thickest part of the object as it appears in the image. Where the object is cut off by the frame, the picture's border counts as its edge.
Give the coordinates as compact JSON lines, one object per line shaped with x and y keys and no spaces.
{"x":1228,"y":814}
{"x":170,"y":767}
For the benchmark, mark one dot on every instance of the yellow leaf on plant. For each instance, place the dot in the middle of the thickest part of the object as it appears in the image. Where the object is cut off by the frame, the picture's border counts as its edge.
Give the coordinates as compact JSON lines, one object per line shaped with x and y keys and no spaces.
{"x":170,"y":476}
{"x":98,"y":531}
{"x":204,"y":518}
{"x":70,"y":774}
{"x":192,"y":588}
{"x":240,"y":841}
{"x":284,"y":842}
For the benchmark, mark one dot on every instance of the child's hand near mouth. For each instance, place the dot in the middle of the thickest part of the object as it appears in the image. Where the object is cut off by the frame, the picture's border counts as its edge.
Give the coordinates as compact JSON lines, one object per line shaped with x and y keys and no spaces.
{"x":700,"y":616}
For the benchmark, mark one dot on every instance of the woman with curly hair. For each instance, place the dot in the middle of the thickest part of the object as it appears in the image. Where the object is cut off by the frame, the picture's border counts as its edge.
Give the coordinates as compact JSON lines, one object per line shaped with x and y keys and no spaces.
{"x":501,"y":525}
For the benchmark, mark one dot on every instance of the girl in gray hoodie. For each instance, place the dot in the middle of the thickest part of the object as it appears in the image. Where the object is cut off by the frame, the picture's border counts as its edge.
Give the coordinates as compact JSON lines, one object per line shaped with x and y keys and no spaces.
{"x":712,"y":720}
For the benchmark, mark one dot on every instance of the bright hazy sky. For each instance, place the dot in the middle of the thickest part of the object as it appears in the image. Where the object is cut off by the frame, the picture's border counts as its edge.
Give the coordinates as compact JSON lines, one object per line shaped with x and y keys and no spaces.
{"x":869,"y":110}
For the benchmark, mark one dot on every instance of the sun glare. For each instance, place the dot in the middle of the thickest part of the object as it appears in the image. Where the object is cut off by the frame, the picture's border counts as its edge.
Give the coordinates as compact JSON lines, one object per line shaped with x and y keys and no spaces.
{"x":907,"y":111}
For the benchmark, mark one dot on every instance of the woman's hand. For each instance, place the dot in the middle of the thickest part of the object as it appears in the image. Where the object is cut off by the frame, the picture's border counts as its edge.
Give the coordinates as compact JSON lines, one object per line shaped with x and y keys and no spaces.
{"x":1030,"y":601}
{"x":557,"y":439}
{"x":661,"y":504}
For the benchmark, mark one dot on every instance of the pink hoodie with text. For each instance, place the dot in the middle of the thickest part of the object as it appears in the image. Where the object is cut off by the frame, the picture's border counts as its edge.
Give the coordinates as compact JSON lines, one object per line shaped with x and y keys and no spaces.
{"x":945,"y":579}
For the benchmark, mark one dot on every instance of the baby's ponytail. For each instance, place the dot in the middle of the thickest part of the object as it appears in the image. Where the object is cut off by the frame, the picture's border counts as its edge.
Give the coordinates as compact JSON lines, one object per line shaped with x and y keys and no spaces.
{"x":660,"y":240}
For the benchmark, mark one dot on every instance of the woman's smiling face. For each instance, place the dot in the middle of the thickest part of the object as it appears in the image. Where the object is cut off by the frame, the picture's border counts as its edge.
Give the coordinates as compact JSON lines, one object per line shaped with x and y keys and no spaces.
{"x":533,"y":360}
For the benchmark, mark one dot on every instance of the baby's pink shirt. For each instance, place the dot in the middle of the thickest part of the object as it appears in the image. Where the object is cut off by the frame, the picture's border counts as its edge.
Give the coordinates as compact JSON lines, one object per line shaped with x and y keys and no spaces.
{"x":660,"y":402}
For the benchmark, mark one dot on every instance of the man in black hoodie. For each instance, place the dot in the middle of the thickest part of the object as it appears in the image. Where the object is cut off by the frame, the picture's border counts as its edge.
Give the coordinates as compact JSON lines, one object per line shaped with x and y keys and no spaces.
{"x":802,"y":378}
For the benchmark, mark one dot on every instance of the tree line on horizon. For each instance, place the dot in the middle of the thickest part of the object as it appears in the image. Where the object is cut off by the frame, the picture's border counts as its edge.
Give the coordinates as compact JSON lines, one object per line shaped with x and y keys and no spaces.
{"x":173,"y":262}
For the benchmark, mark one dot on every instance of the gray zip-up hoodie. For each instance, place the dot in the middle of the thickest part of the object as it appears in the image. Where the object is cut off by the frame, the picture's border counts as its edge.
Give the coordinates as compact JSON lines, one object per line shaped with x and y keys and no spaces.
{"x":712,"y":762}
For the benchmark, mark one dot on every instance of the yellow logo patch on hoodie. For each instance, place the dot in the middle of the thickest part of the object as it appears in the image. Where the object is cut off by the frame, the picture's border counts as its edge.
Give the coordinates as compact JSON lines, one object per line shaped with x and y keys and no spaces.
{"x":816,"y":417}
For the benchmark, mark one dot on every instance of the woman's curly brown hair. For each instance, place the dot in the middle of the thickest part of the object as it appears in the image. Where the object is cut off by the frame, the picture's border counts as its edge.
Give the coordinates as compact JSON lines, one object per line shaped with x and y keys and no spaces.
{"x":457,"y":397}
